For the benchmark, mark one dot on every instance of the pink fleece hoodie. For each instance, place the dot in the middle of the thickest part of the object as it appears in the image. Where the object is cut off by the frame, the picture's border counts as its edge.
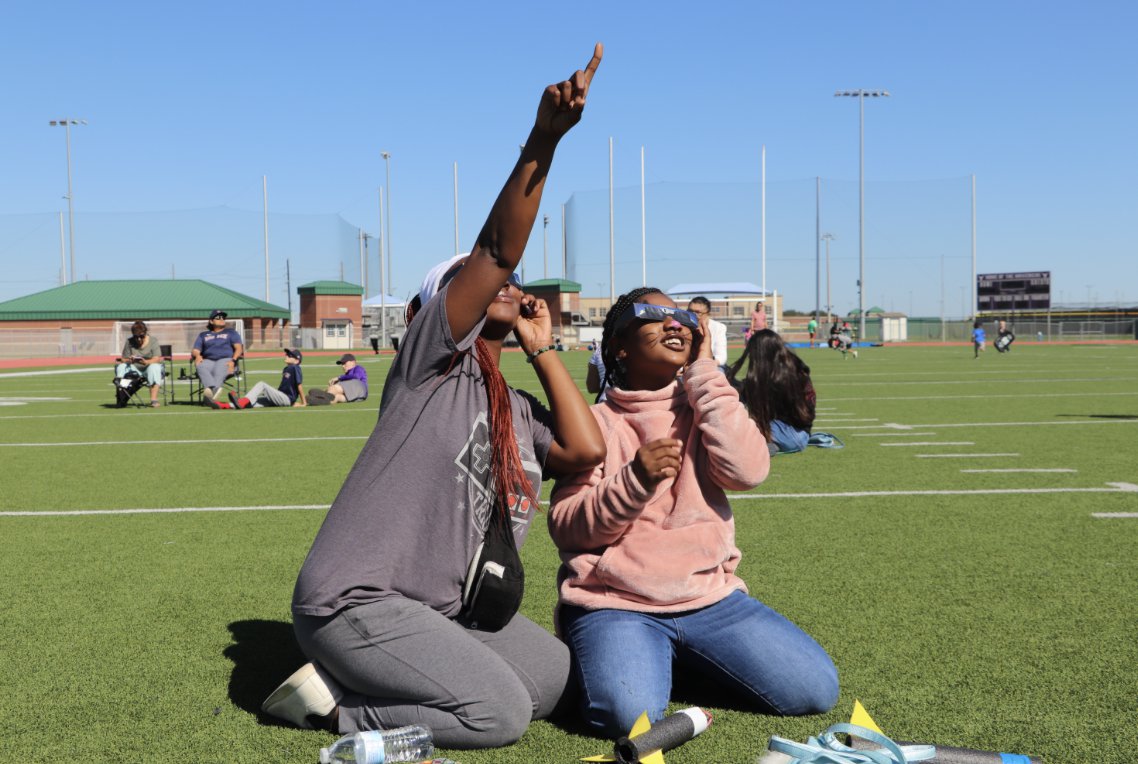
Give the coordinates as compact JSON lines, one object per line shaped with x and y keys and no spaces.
{"x":672,"y":549}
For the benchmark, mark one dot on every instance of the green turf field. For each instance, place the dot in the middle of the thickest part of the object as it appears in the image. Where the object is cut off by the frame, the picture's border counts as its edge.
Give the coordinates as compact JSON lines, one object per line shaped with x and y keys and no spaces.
{"x":949,"y":558}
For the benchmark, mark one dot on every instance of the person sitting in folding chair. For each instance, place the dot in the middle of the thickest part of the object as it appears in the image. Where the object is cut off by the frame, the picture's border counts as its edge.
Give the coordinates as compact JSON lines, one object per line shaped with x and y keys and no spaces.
{"x":139,"y":365}
{"x":215,"y":354}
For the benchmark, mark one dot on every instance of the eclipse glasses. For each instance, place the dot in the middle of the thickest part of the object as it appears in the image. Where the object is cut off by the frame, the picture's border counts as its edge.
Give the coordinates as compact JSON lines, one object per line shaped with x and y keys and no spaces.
{"x":643,"y":311}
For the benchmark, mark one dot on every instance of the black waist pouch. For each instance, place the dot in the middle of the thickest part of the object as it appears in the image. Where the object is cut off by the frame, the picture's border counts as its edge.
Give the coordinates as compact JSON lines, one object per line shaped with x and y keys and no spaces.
{"x":495,"y":580}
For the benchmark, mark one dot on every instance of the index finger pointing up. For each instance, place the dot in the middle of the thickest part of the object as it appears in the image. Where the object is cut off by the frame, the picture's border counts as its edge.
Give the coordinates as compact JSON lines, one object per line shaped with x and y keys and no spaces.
{"x":594,"y":62}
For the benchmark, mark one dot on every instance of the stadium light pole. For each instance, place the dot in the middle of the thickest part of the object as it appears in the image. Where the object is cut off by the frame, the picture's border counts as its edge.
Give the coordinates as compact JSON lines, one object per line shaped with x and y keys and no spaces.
{"x":860,"y":95}
{"x":66,"y":125}
{"x":545,"y":244}
{"x":387,"y":163}
{"x":828,"y":237}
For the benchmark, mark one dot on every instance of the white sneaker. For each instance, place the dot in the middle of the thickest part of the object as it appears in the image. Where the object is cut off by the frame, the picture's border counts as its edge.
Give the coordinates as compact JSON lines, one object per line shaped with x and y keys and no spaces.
{"x":308,"y":692}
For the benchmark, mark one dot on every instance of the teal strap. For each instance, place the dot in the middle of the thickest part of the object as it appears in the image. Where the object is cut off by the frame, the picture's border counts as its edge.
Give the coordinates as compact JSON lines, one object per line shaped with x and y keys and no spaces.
{"x":1014,"y":758}
{"x":827,"y":749}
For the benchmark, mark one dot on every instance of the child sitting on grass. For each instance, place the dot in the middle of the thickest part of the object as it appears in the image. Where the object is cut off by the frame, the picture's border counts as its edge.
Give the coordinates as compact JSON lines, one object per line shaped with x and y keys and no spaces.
{"x":290,"y":391}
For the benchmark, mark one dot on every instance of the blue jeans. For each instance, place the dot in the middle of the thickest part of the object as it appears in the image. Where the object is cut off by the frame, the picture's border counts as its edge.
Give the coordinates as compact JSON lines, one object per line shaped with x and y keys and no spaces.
{"x":788,"y":439}
{"x":624,"y":660}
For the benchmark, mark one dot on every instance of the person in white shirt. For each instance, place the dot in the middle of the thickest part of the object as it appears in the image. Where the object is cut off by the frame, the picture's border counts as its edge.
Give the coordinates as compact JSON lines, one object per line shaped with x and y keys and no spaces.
{"x":702,"y":306}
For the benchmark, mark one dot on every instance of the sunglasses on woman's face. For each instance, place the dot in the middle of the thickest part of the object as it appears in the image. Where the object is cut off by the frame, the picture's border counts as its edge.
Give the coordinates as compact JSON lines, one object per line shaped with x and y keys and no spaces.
{"x":645,"y":311}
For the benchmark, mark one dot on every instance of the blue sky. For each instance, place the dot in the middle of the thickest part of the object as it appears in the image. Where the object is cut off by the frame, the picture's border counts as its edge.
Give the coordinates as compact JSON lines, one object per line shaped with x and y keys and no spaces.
{"x":189,"y":105}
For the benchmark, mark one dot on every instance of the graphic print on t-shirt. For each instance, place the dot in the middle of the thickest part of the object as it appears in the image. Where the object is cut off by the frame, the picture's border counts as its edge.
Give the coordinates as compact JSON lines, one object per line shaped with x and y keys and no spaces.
{"x":473,"y":462}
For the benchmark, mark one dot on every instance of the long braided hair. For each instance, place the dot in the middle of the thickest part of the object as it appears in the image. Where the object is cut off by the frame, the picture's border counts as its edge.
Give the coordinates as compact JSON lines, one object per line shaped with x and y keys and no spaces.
{"x":506,"y":470}
{"x":777,"y":384}
{"x":614,"y":371}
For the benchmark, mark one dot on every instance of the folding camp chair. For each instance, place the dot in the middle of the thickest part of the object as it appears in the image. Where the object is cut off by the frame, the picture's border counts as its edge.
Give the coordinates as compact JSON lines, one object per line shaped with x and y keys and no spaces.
{"x":234,"y":383}
{"x":127,"y":388}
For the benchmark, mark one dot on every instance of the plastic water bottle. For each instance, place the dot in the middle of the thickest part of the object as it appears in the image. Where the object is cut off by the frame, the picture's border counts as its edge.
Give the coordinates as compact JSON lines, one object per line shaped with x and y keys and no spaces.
{"x":381,"y":746}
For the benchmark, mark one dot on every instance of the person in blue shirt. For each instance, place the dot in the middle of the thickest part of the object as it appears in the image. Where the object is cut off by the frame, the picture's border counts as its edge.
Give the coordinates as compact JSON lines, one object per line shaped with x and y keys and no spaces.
{"x":352,"y":384}
{"x":290,"y":392}
{"x":977,"y":338}
{"x":215,"y":354}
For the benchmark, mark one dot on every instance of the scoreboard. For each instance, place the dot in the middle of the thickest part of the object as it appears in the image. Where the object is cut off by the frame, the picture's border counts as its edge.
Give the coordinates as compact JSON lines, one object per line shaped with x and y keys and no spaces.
{"x":1013,"y":291}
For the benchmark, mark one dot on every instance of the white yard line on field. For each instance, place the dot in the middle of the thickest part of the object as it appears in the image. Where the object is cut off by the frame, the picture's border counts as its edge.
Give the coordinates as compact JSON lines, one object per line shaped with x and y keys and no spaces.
{"x":932,"y":443}
{"x":1111,"y":488}
{"x":158,"y":511}
{"x":1112,"y":515}
{"x":898,"y":426}
{"x":892,"y":434}
{"x":958,"y":456}
{"x":1029,"y":469}
{"x":973,"y":397}
{"x":206,"y":441}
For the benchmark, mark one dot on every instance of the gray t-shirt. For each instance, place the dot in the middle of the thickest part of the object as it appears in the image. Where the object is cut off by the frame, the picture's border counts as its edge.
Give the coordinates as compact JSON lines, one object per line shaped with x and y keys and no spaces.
{"x":415,"y":505}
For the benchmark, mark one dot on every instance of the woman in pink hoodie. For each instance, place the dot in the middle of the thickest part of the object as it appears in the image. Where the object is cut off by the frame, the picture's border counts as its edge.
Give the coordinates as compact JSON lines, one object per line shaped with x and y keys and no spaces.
{"x":647,"y":538}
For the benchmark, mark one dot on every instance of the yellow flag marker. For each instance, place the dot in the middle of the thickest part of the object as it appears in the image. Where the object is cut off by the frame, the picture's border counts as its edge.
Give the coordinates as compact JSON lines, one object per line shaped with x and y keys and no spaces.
{"x":861,"y":717}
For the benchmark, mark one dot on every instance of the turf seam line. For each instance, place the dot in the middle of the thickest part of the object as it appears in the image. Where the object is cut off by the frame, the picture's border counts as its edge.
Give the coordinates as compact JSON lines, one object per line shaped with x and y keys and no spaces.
{"x":1110,"y":488}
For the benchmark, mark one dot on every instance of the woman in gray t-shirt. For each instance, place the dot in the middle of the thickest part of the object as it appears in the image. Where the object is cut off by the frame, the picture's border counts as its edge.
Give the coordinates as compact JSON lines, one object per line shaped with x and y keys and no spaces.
{"x":378,"y":603}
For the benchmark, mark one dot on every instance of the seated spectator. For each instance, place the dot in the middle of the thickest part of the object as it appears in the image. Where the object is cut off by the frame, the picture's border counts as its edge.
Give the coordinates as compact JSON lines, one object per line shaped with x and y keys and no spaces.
{"x":777,"y":392}
{"x":142,"y":356}
{"x":290,"y":391}
{"x":215,"y":354}
{"x":352,"y":384}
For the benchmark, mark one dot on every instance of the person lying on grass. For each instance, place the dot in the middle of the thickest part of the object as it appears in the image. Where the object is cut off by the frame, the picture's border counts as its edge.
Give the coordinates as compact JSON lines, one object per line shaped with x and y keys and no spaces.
{"x":379,"y":605}
{"x":647,"y":584}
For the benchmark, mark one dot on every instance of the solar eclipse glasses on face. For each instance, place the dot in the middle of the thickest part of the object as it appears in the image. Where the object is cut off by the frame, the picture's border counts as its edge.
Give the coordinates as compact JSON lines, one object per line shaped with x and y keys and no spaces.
{"x":643,"y":311}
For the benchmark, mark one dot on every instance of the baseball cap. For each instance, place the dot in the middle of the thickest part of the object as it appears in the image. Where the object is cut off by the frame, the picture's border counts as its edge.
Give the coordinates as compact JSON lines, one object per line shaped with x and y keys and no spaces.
{"x":441,"y":274}
{"x":218,"y":314}
{"x":345,"y":358}
{"x":294,"y":354}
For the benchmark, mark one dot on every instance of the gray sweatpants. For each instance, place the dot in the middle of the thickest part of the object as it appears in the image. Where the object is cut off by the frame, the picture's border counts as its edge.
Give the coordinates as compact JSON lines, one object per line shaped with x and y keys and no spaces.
{"x":400,"y":662}
{"x":264,"y":394}
{"x":213,"y":373}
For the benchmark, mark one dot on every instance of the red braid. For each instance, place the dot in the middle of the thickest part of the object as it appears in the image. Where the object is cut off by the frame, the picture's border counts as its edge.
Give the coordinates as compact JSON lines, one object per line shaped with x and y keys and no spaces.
{"x":506,"y":461}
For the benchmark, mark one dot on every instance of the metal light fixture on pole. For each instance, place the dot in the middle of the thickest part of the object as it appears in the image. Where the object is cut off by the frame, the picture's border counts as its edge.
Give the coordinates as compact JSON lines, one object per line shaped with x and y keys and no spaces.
{"x":66,"y":125}
{"x":860,"y":96}
{"x":828,"y":237}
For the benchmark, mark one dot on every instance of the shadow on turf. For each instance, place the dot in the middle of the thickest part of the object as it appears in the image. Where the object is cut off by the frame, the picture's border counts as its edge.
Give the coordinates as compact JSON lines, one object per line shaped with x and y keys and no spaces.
{"x":264,"y":653}
{"x":1101,"y":416}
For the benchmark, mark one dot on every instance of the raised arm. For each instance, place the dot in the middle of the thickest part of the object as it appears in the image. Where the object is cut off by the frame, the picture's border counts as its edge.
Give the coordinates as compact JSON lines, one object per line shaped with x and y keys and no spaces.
{"x":504,"y":235}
